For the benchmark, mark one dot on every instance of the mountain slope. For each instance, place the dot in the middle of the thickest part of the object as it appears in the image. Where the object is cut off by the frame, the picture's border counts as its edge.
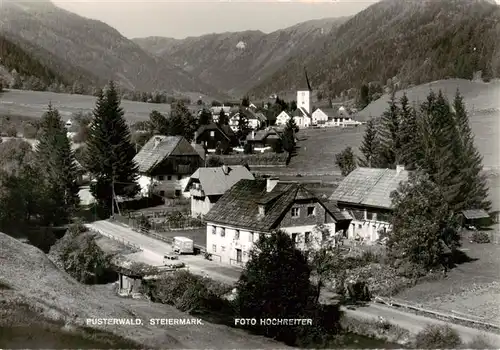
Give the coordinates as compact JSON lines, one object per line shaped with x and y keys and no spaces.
{"x":93,"y":46}
{"x":411,"y":41}
{"x":234,"y":62}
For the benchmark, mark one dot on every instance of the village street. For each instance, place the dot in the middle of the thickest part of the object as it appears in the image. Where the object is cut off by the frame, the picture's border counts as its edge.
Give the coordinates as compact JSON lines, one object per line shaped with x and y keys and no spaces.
{"x":153,"y":251}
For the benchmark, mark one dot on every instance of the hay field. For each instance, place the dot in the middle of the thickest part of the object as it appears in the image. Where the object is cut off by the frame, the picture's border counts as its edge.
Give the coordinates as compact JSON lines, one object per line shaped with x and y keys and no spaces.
{"x":34,"y":103}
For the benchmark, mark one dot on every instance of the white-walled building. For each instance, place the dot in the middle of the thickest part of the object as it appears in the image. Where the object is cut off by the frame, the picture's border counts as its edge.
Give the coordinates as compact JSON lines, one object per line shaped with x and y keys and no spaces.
{"x":207,"y":185}
{"x":165,"y":165}
{"x":282,"y":118}
{"x":255,"y":207}
{"x":365,"y":195}
{"x":319,"y":116}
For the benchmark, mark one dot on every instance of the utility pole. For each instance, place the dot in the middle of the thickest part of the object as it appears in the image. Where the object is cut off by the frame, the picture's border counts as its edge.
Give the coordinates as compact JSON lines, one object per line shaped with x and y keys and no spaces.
{"x":113,"y":196}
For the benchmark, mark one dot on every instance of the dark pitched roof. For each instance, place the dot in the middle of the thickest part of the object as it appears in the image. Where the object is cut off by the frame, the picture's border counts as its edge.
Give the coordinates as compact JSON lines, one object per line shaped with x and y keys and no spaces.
{"x":262,"y":134}
{"x":370,"y":187}
{"x":301,"y":112}
{"x":473,"y":214}
{"x":239,"y":206}
{"x":214,"y":181}
{"x":224,"y":129}
{"x":160,"y":147}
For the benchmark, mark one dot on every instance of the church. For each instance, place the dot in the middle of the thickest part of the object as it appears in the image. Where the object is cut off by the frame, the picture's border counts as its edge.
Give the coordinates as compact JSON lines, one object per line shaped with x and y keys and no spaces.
{"x":302,"y":115}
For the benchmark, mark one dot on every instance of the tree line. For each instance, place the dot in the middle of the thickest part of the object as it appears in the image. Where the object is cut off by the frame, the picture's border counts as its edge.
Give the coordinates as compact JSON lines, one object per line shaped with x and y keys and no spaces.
{"x":434,"y":141}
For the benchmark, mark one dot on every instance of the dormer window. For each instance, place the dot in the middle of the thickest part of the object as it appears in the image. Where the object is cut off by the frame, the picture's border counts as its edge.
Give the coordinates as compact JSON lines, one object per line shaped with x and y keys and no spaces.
{"x":295,"y":212}
{"x":212,"y":133}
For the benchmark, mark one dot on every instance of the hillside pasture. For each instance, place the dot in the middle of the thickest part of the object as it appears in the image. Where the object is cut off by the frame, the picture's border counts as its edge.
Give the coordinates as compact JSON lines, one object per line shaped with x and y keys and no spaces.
{"x":34,"y":104}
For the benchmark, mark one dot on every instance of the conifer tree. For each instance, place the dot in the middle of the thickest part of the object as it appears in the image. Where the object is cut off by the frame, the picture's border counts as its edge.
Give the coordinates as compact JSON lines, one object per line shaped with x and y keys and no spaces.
{"x":243,"y":127}
{"x":473,"y":191}
{"x":158,"y":124}
{"x":110,"y":156}
{"x":370,"y":147}
{"x":182,"y":122}
{"x":223,"y":118}
{"x":389,"y":135}
{"x":205,"y":117}
{"x":408,"y":134}
{"x":57,"y":163}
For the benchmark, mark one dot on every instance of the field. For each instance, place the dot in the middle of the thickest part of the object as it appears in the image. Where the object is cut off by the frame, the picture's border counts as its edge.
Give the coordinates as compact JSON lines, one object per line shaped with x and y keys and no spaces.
{"x":34,"y":103}
{"x":471,"y":289}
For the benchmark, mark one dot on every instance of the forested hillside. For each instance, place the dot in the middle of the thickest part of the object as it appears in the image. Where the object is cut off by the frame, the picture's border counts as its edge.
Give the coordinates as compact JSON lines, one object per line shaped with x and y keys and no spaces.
{"x":236,"y":61}
{"x":408,"y":42}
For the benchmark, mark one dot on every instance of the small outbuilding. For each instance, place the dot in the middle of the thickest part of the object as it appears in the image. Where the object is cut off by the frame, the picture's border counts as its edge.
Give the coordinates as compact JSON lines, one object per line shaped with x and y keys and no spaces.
{"x":475,"y":217}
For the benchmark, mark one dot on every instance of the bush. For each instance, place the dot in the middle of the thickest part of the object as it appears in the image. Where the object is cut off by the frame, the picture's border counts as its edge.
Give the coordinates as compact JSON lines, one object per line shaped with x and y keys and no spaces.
{"x":479,"y":342}
{"x":438,"y":337}
{"x":29,"y":130}
{"x":480,"y":237}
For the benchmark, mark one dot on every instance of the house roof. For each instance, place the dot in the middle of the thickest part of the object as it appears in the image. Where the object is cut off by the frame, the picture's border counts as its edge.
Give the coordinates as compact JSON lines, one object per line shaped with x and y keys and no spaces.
{"x":214,"y":181}
{"x":216,"y":110}
{"x":301,"y":112}
{"x":369,"y":187}
{"x":261,"y":135}
{"x":224,"y":129}
{"x":473,"y":214}
{"x":250,"y":114}
{"x":160,"y":147}
{"x":239,"y":206}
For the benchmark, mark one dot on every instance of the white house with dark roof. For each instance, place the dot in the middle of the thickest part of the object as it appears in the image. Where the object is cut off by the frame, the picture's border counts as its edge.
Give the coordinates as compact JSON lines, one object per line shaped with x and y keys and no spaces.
{"x":254,"y":207}
{"x":282,"y":118}
{"x":319,"y":116}
{"x":365,"y":195}
{"x":207,"y":185}
{"x":165,"y":165}
{"x":255,"y":119}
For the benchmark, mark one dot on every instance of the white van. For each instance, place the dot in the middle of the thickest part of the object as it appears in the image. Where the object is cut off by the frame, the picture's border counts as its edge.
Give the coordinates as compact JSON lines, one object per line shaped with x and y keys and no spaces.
{"x":183,"y":245}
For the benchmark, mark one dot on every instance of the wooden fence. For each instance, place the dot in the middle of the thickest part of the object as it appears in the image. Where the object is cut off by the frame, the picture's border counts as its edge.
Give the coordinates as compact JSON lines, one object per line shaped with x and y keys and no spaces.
{"x":162,"y":225}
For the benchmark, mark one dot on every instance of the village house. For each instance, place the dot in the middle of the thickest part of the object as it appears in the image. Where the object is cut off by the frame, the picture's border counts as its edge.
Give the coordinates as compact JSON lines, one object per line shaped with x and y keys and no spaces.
{"x":255,"y":119}
{"x":321,"y":116}
{"x":302,"y":118}
{"x":263,"y":140}
{"x":211,"y":135}
{"x":227,"y":111}
{"x":165,"y":165}
{"x":255,"y":207}
{"x":282,"y":118}
{"x":207,"y":185}
{"x":365,"y":195}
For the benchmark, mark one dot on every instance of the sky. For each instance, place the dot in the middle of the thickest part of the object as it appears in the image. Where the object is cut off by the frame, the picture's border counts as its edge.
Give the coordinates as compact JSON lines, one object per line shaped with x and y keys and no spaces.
{"x":180,"y":19}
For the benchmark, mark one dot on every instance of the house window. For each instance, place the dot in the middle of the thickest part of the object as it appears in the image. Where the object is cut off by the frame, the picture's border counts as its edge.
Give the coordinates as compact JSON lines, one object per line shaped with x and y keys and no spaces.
{"x":294,"y":237}
{"x":369,"y":215}
{"x":295,"y":212}
{"x":214,"y":230}
{"x":250,"y":237}
{"x":360,"y":226}
{"x":237,"y":234}
{"x":177,"y":193}
{"x":222,"y":232}
{"x":212,"y":133}
{"x":222,"y":249}
{"x":161,"y":177}
{"x":214,"y":248}
{"x":307,"y":237}
{"x":179,"y":177}
{"x":169,"y":177}
{"x":162,"y":193}
{"x":310,"y":211}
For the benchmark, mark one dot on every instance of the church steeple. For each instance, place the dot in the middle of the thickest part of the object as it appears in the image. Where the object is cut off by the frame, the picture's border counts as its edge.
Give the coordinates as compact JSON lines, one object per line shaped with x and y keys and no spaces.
{"x":307,"y":80}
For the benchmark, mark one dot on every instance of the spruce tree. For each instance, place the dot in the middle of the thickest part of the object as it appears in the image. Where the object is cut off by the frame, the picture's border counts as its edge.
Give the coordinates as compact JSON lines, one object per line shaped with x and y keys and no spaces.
{"x":473,"y":191}
{"x":205,"y":117}
{"x":370,"y":147}
{"x":408,"y":134}
{"x":110,"y":156}
{"x":389,"y":135}
{"x":158,"y":124}
{"x":182,"y":122}
{"x":223,"y":118}
{"x":57,"y":163}
{"x":243,"y":127}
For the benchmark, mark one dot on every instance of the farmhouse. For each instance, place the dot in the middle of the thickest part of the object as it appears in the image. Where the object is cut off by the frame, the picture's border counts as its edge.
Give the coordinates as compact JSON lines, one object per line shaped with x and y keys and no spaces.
{"x":209,"y":136}
{"x":320,"y":116}
{"x":255,"y":207}
{"x":302,"y":118}
{"x":264,"y":139}
{"x":255,"y":119}
{"x":365,"y":195}
{"x":207,"y":185}
{"x":282,"y":118}
{"x":165,"y":164}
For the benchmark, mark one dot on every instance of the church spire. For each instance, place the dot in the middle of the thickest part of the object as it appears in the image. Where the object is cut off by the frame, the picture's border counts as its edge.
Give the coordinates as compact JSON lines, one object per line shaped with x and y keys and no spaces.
{"x":307,"y":79}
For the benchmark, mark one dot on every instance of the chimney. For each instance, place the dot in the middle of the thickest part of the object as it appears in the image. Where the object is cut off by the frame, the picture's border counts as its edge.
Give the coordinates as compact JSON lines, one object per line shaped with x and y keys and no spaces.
{"x":271,"y":183}
{"x":399,"y":168}
{"x":225,"y":169}
{"x":157,"y":141}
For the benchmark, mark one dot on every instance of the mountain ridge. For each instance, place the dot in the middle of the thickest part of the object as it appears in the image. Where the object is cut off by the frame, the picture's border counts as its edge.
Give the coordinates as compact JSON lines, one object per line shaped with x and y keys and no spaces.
{"x":96,"y":47}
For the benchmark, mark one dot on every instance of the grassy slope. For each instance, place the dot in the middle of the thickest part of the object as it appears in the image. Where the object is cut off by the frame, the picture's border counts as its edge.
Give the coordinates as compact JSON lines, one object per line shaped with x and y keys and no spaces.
{"x":35,"y":281}
{"x":414,"y":41}
{"x":34,"y":103}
